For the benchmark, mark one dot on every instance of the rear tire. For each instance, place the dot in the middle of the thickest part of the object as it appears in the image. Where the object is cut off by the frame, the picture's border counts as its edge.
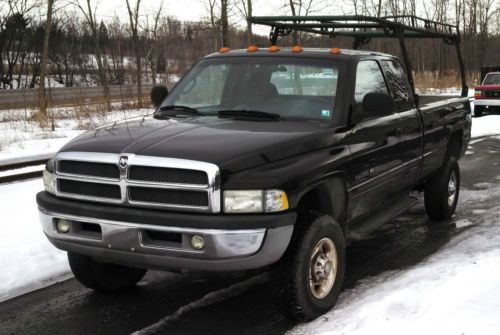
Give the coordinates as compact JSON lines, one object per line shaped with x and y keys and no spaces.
{"x":104,"y":277}
{"x":308,"y":279}
{"x":442,"y":190}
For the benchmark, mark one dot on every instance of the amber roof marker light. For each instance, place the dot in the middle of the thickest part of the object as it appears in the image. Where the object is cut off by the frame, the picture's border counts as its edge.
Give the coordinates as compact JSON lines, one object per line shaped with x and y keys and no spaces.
{"x":335,"y":51}
{"x":252,"y":48}
{"x":224,"y":50}
{"x":297,"y":49}
{"x":274,"y":48}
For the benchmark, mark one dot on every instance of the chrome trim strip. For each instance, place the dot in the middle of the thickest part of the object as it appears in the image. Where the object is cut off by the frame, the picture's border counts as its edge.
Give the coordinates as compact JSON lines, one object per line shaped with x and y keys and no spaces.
{"x":393,"y":170}
{"x":212,"y":171}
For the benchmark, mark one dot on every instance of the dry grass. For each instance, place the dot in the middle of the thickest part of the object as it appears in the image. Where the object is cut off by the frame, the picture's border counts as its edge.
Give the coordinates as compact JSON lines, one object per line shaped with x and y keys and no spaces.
{"x":428,"y":80}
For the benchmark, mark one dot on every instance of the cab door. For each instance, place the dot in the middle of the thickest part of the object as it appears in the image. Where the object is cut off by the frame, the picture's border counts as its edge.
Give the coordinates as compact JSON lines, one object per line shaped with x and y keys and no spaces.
{"x":411,"y":123}
{"x":375,"y":143}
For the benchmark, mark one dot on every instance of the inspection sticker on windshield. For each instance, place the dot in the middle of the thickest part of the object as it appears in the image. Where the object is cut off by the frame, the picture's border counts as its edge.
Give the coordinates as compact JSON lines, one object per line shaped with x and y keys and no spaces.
{"x":325,"y":114}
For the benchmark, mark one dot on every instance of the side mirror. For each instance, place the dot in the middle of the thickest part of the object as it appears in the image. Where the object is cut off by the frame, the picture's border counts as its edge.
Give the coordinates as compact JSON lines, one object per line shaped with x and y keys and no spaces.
{"x":378,"y":104}
{"x":158,"y":94}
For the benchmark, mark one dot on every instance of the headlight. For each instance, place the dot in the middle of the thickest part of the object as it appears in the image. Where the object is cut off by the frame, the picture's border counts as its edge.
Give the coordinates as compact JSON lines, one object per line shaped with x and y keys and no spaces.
{"x":255,"y":201}
{"x":49,"y":181}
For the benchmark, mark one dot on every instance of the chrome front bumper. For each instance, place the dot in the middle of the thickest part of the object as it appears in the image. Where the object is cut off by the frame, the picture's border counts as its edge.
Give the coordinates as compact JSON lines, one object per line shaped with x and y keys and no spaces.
{"x":138,"y":245}
{"x":487,"y":102}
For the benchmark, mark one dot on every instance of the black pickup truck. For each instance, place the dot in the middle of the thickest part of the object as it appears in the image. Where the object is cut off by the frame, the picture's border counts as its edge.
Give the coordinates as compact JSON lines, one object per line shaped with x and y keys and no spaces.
{"x":258,"y":158}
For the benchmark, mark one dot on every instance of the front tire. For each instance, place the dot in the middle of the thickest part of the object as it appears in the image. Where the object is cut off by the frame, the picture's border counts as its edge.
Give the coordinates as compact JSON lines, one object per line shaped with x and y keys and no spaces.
{"x":103,"y":277}
{"x":478,"y":111}
{"x":441,"y":192}
{"x":308,"y":279}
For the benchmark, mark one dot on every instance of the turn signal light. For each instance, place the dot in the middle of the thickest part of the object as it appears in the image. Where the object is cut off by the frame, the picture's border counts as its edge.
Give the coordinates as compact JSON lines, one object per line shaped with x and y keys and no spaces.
{"x":478,"y":94}
{"x":224,"y":50}
{"x":297,"y":49}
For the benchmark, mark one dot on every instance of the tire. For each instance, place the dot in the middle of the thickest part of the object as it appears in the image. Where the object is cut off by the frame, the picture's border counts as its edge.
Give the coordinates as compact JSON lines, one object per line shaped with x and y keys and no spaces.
{"x":103,"y":277}
{"x":442,"y":191}
{"x":478,"y":111}
{"x":295,"y":297}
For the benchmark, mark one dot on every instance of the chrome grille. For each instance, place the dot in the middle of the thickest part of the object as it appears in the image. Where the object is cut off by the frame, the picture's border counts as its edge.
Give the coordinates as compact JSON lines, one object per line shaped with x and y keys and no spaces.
{"x":144,"y":181}
{"x":492,"y":94}
{"x":89,"y":189}
{"x":171,"y":197}
{"x":103,"y":170}
{"x":167,"y":175}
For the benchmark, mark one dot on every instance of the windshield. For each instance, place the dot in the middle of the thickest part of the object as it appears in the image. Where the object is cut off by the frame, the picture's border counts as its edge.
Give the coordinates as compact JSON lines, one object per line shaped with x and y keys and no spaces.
{"x":293,"y":88}
{"x":492,"y":79}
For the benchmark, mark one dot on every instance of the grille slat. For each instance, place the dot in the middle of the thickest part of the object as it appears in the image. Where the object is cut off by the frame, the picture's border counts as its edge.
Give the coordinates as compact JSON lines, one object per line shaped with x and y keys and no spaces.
{"x":102,"y":170}
{"x":168,"y":197}
{"x":89,"y":189}
{"x":492,"y":94}
{"x":167,"y":175}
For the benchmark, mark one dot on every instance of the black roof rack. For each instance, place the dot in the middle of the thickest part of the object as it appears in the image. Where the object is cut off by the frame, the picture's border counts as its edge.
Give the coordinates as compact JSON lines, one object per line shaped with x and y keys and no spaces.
{"x":364,"y":28}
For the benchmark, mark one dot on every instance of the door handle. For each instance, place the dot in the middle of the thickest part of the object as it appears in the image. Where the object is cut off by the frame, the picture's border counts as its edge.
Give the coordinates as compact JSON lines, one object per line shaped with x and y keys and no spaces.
{"x":399,"y":132}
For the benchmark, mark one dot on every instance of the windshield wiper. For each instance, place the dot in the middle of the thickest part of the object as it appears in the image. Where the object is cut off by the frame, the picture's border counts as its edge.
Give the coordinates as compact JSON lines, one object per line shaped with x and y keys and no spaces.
{"x":175,"y":110}
{"x":248,"y":114}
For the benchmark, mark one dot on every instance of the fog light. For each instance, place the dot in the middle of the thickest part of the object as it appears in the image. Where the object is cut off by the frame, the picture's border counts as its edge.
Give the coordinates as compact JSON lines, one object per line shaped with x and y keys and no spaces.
{"x":63,"y":226}
{"x":197,"y":242}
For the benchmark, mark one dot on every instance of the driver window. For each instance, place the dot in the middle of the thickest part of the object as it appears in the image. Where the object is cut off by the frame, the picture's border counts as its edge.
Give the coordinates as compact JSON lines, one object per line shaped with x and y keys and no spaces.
{"x":369,"y":79}
{"x":206,"y":88}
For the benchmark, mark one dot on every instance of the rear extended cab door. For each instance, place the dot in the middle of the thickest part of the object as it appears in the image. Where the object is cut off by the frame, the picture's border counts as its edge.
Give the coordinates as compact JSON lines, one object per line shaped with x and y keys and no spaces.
{"x":411,"y":123}
{"x":376,"y":144}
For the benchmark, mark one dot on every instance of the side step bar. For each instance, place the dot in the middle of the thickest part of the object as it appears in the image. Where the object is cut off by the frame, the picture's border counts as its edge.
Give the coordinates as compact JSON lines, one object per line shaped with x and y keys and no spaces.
{"x":361,"y":229}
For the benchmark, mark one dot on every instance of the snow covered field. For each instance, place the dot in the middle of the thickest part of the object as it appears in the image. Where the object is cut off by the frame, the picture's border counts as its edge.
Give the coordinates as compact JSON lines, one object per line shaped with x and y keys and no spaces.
{"x":21,"y":139}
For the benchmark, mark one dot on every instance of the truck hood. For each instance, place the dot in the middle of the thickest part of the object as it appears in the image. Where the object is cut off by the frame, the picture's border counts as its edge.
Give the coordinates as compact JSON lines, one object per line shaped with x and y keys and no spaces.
{"x":233,"y":145}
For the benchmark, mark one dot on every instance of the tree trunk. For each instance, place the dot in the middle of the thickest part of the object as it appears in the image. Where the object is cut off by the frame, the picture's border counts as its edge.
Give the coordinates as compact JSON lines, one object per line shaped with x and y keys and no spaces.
{"x":41,"y":87}
{"x":134,"y":17}
{"x":224,"y":23}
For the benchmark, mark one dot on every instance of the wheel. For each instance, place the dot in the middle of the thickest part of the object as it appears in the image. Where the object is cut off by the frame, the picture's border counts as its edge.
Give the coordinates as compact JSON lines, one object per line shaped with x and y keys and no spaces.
{"x":308,"y":279}
{"x":441,"y":192}
{"x":478,"y":111}
{"x":103,"y":277}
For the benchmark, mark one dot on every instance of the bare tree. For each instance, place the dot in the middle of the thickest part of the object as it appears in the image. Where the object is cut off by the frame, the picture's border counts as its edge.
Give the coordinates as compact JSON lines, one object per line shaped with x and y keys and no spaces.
{"x":45,"y":56}
{"x":224,"y":22}
{"x":153,"y":53}
{"x":90,"y":17}
{"x":133,"y":14}
{"x":245,"y":7}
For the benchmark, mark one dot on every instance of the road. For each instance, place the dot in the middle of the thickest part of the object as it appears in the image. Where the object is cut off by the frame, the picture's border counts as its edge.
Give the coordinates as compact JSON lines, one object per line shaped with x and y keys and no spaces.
{"x":67,"y":308}
{"x":68,"y":96}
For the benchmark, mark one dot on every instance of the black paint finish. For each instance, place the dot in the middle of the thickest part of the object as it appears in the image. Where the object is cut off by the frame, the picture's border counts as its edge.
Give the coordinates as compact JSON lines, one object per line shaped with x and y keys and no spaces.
{"x":377,"y":159}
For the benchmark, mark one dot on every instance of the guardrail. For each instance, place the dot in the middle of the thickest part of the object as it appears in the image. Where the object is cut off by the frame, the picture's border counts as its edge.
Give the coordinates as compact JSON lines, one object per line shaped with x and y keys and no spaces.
{"x":57,"y":96}
{"x":12,"y":170}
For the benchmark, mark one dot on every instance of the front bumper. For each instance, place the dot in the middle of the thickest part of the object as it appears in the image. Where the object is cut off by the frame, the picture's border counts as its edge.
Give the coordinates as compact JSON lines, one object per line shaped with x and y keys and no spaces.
{"x":165,"y":245}
{"x":487,"y":102}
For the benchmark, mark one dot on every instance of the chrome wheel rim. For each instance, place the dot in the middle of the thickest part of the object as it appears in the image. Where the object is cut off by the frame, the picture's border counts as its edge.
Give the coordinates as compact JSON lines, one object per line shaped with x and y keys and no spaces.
{"x":452,"y":188}
{"x":323,"y":268}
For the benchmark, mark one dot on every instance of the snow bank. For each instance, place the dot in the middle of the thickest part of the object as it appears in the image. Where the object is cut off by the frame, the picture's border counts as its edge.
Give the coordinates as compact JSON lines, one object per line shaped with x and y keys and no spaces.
{"x":488,"y":125}
{"x":27,"y":259}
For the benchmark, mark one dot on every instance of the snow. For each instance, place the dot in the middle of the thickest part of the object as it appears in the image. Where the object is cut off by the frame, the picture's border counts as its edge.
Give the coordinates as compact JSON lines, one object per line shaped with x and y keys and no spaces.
{"x":27,"y":259}
{"x":487,"y":125}
{"x":20,"y":139}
